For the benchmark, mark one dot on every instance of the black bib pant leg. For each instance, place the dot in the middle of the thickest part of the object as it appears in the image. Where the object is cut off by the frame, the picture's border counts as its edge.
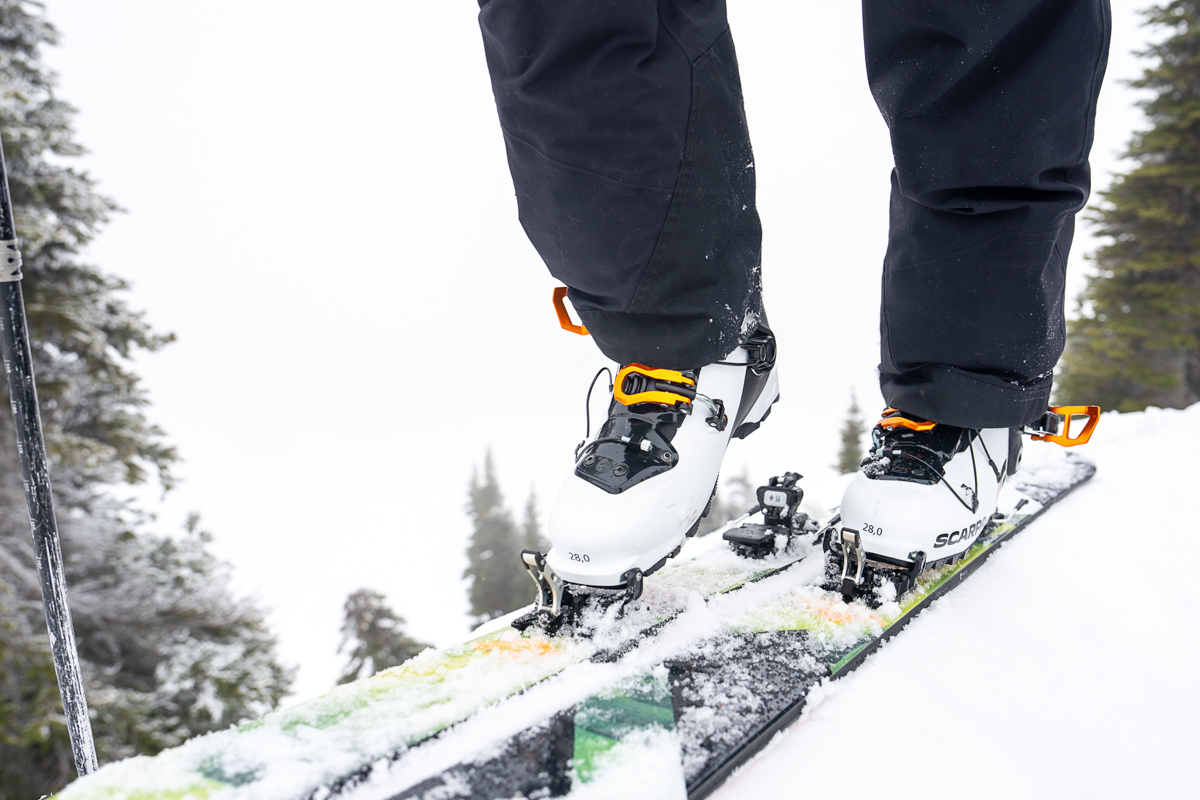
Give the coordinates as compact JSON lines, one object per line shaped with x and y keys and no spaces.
{"x":631,"y":160}
{"x":634,"y":177}
{"x":991,"y":107}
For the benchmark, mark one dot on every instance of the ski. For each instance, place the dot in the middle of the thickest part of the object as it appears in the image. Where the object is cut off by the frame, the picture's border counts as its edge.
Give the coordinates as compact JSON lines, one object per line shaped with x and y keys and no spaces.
{"x":699,"y":714}
{"x":339,"y":741}
{"x":690,"y":681}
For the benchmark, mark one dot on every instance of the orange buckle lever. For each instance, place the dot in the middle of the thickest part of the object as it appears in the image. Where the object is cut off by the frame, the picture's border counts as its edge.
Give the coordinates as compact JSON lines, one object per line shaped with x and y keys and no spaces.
{"x":564,"y":319}
{"x":1066,"y":412}
{"x":903,"y":422}
{"x":652,"y":386}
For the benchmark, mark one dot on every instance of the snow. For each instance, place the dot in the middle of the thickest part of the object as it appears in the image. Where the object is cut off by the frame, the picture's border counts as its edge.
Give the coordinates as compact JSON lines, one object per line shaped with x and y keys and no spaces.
{"x":1034,"y":670}
{"x":1064,"y":667}
{"x":1030,"y":680}
{"x":633,"y":768}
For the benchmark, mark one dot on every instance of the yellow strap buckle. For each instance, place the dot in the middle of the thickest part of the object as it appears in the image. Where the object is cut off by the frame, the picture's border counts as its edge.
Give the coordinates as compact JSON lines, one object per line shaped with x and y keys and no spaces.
{"x":898,"y":421}
{"x":1066,"y":412}
{"x":564,"y":319}
{"x":647,"y":385}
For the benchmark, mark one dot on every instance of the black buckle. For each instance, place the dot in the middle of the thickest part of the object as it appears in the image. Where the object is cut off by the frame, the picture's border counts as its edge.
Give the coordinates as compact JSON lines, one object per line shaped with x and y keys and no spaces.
{"x":761,"y":349}
{"x":719,"y":419}
{"x":1048,"y":425}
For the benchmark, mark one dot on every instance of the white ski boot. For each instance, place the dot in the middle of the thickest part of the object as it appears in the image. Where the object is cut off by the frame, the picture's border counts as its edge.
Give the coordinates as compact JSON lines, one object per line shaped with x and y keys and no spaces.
{"x":922,"y":496}
{"x":641,"y":486}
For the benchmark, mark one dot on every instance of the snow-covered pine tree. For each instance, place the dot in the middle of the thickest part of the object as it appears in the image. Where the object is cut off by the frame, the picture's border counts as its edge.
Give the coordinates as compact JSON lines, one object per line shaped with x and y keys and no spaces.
{"x":167,"y":652}
{"x":498,"y":582}
{"x":33,"y":735}
{"x":373,"y":636}
{"x":850,"y":455}
{"x":1137,"y":339}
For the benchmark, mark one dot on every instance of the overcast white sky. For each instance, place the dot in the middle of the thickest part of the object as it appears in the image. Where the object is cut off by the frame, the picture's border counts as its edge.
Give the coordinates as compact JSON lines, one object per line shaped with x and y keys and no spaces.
{"x":319,"y":207}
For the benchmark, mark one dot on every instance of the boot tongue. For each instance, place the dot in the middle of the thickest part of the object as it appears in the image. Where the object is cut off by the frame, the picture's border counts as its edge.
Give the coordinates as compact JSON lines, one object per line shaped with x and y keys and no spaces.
{"x":634,"y":442}
{"x":630,"y":447}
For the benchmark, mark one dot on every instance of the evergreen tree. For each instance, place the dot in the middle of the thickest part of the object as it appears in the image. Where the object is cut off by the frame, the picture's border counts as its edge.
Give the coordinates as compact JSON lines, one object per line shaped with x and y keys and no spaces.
{"x":851,"y":454}
{"x":33,"y":733}
{"x":170,"y":652}
{"x":374,"y":636}
{"x":498,"y":582}
{"x":167,"y":653}
{"x":1137,"y":339}
{"x":531,"y":531}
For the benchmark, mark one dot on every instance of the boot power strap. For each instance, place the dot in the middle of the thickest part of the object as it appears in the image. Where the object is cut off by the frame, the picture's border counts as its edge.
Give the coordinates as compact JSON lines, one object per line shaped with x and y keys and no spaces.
{"x":637,"y":383}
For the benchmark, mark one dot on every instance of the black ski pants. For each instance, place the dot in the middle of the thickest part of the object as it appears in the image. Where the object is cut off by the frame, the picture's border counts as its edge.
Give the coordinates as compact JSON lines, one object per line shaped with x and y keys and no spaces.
{"x":634,"y":176}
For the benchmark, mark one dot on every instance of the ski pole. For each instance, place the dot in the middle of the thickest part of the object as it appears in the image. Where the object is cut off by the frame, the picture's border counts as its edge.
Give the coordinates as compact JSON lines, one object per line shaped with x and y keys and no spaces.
{"x":18,"y":363}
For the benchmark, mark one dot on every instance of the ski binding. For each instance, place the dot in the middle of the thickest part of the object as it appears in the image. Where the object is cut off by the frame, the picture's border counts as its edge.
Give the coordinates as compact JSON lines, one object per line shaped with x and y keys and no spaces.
{"x":778,"y":501}
{"x":559,"y":603}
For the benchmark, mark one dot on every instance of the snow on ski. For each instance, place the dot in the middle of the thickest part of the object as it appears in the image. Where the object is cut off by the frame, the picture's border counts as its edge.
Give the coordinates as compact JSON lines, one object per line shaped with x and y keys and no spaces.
{"x":335,"y":741}
{"x":718,"y":654}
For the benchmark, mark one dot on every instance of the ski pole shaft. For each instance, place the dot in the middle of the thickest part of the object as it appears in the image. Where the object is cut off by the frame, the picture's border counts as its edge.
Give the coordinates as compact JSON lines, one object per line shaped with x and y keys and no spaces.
{"x":18,"y":363}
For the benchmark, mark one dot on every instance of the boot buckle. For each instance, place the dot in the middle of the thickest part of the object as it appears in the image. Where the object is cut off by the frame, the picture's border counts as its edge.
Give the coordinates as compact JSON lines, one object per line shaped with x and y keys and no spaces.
{"x":637,"y":383}
{"x":1046,"y":429}
{"x":851,"y":539}
{"x":548,"y":605}
{"x":893,"y":419}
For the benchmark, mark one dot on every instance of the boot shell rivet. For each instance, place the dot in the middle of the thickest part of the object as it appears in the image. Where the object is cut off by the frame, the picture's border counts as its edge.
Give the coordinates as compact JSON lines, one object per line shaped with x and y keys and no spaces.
{"x":620,"y":469}
{"x":589,"y":460}
{"x":666,"y":456}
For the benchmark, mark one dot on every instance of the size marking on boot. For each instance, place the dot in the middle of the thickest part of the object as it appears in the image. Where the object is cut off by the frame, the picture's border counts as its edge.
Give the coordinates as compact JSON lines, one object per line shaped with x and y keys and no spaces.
{"x":871,"y":529}
{"x":584,"y":557}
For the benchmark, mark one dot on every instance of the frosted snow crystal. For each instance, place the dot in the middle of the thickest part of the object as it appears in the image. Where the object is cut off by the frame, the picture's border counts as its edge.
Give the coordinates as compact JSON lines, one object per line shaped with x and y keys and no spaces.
{"x":749,"y":322}
{"x":876,"y":466}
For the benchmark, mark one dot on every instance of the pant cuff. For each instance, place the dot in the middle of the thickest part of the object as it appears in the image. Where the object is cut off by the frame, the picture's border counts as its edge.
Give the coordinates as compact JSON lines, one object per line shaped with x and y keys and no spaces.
{"x":670,"y":342}
{"x":953,"y":396}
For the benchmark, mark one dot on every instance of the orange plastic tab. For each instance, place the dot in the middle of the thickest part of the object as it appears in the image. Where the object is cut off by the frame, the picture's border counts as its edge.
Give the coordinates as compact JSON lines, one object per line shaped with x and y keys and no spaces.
{"x":564,"y":319}
{"x":1066,"y":412}
{"x":664,"y":397}
{"x":903,"y":422}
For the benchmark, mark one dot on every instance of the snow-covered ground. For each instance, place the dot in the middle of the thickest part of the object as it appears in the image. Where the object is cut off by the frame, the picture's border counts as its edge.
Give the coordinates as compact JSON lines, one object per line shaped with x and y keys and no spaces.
{"x":1065,"y":667}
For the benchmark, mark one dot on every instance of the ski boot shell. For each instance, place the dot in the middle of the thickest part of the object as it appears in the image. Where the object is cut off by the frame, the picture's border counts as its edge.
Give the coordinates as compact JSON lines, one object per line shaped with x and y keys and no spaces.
{"x":905,"y":514}
{"x":641,"y":486}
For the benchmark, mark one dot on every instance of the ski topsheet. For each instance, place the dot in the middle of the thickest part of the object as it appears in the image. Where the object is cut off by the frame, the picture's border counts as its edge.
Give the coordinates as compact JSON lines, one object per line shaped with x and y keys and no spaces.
{"x":338,"y":740}
{"x":718,"y":654}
